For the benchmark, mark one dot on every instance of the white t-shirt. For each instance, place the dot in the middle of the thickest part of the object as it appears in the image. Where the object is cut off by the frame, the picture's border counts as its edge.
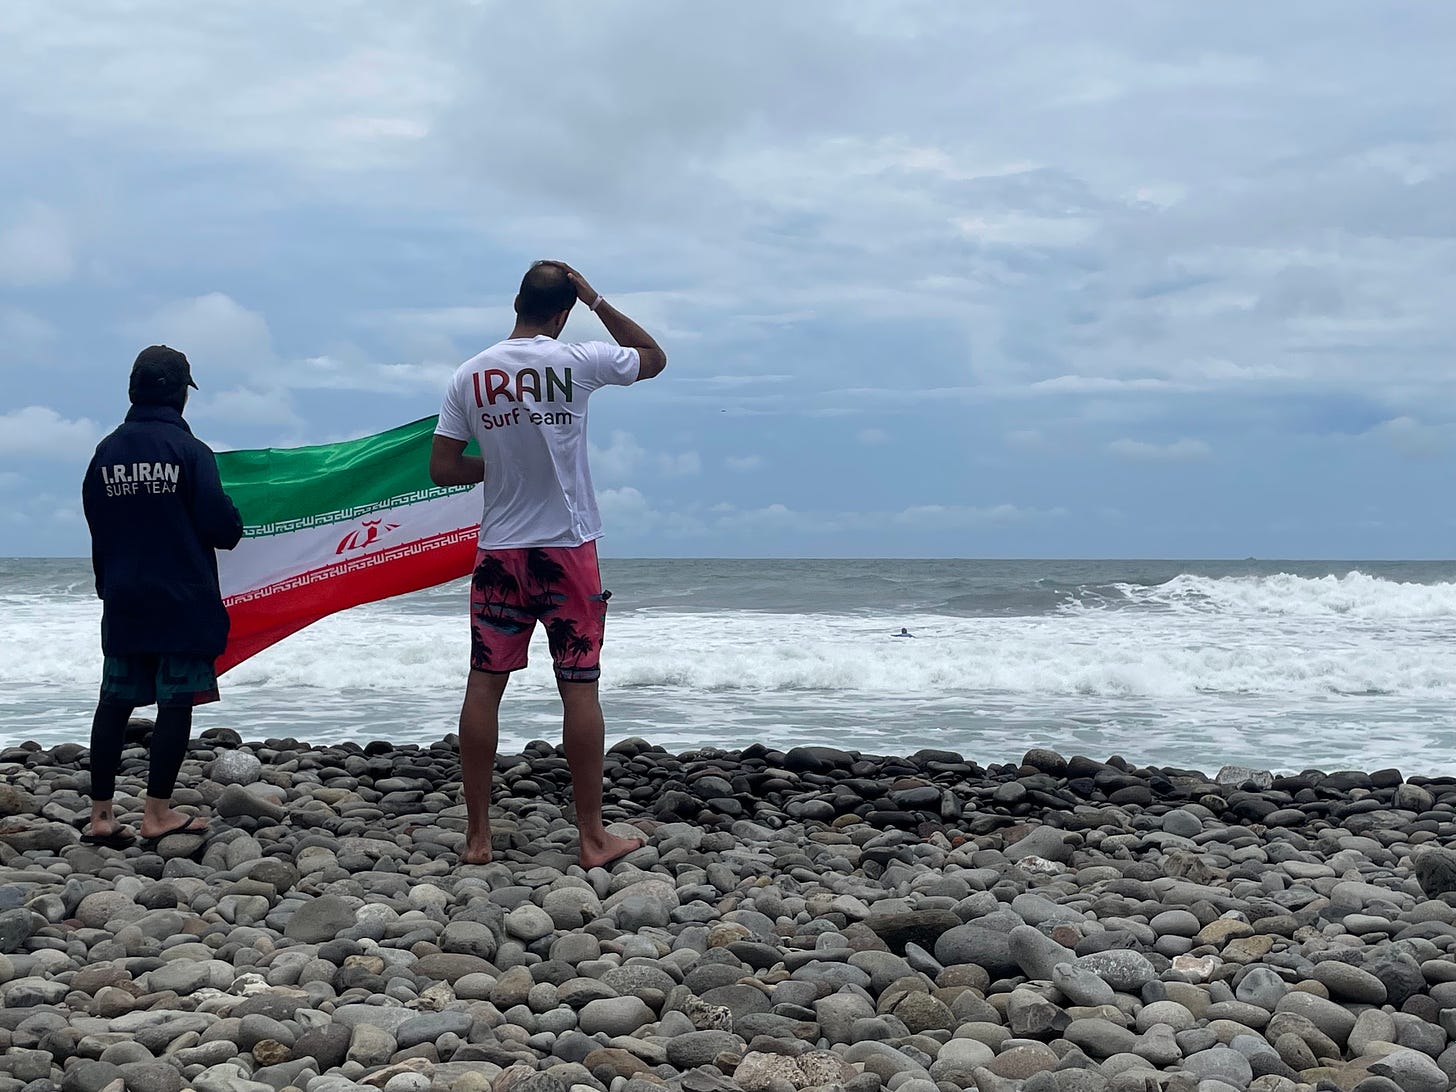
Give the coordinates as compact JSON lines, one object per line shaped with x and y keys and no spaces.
{"x":523,"y":400}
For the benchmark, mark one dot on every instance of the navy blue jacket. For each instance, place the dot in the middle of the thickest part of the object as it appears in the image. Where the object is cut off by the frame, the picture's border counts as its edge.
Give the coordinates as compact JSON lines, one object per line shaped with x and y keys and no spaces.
{"x":157,"y":512}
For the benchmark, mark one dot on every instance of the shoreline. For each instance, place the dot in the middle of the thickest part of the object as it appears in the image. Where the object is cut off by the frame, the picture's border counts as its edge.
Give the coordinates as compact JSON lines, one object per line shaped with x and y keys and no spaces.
{"x":799,"y":919}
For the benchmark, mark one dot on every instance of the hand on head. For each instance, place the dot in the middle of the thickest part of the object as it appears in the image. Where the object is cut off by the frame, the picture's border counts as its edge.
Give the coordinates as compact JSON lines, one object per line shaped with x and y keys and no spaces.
{"x":584,"y":292}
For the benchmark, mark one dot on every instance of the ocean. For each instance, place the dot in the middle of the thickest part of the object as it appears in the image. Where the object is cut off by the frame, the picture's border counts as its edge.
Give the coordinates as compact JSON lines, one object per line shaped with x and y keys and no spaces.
{"x":1278,"y":665}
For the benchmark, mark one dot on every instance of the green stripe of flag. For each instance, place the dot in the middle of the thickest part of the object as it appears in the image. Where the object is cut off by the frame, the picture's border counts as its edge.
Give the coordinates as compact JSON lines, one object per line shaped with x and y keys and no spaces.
{"x":282,"y":485}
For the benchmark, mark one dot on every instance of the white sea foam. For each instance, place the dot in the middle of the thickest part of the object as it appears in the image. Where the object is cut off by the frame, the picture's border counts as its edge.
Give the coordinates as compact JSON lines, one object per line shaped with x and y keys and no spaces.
{"x":1354,"y":595}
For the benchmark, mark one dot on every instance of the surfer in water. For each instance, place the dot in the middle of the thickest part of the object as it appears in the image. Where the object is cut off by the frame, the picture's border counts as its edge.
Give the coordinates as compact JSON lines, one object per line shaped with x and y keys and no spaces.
{"x":903,"y":633}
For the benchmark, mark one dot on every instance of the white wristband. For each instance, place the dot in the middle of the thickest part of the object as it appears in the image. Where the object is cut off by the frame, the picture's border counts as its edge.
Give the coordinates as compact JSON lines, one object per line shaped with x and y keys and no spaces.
{"x":601,"y":299}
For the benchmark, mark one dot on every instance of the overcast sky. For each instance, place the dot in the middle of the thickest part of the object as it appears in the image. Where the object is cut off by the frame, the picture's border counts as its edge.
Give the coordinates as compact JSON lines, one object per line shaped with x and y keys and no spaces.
{"x":934,"y":279}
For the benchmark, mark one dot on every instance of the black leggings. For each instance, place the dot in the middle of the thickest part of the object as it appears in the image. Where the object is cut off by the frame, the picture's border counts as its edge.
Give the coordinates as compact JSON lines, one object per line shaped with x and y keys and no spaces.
{"x":169,"y":744}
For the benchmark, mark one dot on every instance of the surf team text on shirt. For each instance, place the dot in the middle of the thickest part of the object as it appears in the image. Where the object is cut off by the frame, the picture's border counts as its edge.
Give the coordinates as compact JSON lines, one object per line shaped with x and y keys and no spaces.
{"x":496,"y":383}
{"x":127,"y":481}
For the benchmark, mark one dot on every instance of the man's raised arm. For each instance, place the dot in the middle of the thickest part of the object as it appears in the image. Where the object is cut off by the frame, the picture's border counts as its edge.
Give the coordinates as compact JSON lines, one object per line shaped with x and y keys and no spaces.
{"x":624,"y":331}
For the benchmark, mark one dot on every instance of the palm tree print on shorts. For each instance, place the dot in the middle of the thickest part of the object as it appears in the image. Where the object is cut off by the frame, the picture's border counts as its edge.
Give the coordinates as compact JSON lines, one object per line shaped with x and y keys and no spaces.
{"x":568,"y":646}
{"x":545,"y":574}
{"x":497,"y":588}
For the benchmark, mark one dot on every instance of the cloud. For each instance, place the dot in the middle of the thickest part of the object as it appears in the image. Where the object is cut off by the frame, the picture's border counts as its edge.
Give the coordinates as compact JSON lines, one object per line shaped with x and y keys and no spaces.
{"x":46,"y":511}
{"x":952,"y":515}
{"x":35,"y":247}
{"x":742,"y":464}
{"x":336,"y":373}
{"x":482,"y":322}
{"x":1414,"y":439}
{"x":1177,"y":451}
{"x":224,"y":338}
{"x":332,"y":102}
{"x":624,"y":458}
{"x":730,"y":382}
{"x":245,"y":406}
{"x":625,"y":505}
{"x":619,"y":460}
{"x":40,"y":432}
{"x":920,"y":517}
{"x":25,"y":328}
{"x":625,"y":511}
{"x":1021,"y":230}
{"x":683,"y":465}
{"x":217,"y":333}
{"x":1097,"y":384}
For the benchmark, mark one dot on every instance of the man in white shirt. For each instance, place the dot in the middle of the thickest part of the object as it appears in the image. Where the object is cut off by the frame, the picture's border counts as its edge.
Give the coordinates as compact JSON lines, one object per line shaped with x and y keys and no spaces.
{"x":523,"y":401}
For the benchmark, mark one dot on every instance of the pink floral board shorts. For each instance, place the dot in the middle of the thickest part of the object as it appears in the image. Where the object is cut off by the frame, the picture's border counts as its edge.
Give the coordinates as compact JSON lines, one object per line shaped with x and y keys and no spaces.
{"x":559,"y":586}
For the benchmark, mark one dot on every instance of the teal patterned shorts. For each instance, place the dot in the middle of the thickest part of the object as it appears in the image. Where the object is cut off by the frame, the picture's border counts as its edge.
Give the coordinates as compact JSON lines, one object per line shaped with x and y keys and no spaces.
{"x":158,"y":679}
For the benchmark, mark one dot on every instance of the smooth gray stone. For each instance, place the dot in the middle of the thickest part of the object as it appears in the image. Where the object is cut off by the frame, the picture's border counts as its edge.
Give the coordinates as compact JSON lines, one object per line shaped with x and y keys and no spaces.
{"x":429,"y":1026}
{"x":1082,"y":986}
{"x":1261,"y":986}
{"x":1412,"y":1070}
{"x":615,"y":1016}
{"x":1037,"y":954}
{"x":1100,"y":1038}
{"x":989,"y":949}
{"x":320,"y":919}
{"x":701,"y":1047}
{"x":1221,"y":1064}
{"x":1348,"y":982}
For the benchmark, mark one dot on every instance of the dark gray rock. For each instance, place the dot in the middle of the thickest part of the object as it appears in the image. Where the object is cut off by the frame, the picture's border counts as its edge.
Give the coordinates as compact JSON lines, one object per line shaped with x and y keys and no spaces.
{"x":327,"y":1045}
{"x":1038,"y":954}
{"x":320,"y":919}
{"x":1435,"y":870}
{"x":237,"y":802}
{"x":88,"y":1075}
{"x":1222,"y":1064}
{"x":922,"y":927}
{"x":16,"y":927}
{"x":989,"y":949}
{"x":1047,"y":842}
{"x":152,"y":1077}
{"x":701,"y":1047}
{"x":429,"y":1026}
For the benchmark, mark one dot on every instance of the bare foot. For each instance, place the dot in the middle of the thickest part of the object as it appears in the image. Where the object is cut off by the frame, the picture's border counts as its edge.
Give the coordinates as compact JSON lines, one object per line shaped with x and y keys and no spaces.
{"x":109,"y":827}
{"x":477,"y":844}
{"x":476,"y":853}
{"x":171,"y":821}
{"x":602,"y":851}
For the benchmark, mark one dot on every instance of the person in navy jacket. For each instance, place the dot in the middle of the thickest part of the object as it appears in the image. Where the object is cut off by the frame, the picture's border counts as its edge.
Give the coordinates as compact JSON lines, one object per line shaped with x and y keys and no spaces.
{"x":157,"y":513}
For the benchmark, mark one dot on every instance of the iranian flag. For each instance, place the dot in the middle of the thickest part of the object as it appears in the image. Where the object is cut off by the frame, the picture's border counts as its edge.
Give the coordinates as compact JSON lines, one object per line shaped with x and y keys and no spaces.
{"x":330,"y":527}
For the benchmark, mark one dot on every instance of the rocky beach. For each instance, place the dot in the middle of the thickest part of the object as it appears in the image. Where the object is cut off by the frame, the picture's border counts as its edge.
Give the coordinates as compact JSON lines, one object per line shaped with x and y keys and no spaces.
{"x":799,"y":919}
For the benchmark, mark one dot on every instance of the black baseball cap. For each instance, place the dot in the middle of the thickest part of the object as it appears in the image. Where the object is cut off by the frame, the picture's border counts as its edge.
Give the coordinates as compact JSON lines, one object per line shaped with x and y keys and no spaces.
{"x":160,"y":369}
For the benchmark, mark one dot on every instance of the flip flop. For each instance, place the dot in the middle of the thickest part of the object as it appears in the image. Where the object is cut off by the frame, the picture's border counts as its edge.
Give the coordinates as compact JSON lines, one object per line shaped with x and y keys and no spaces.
{"x":187,"y":827}
{"x":117,"y":839}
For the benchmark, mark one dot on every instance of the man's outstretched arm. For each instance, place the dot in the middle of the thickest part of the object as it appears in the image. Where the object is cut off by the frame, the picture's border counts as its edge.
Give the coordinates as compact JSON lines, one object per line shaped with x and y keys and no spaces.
{"x":449,"y":465}
{"x":624,"y":331}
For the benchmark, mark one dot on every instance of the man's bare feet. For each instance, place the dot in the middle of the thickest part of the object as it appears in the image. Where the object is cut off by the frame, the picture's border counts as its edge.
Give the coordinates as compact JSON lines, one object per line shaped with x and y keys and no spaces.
{"x":158,"y":822}
{"x":602,"y":850}
{"x":477,"y":844}
{"x":476,"y":853}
